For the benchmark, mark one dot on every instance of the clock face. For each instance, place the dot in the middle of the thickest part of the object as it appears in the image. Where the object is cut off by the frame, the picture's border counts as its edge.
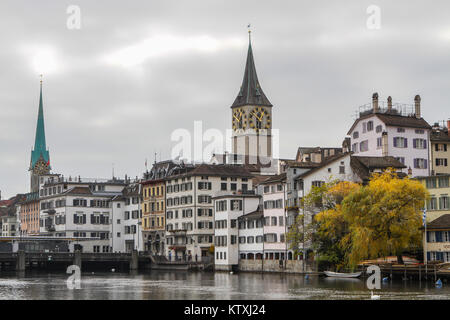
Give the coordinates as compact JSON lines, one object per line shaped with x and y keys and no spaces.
{"x":259,"y":119}
{"x":41,"y":167}
{"x":239,"y":119}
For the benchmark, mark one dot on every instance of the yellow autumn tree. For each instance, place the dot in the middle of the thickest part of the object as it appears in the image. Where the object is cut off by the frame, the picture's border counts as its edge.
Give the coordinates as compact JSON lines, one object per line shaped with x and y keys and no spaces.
{"x":384,"y":217}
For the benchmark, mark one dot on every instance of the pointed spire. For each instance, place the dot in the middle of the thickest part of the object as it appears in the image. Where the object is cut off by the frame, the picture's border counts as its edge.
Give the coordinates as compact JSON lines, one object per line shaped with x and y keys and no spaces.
{"x":40,"y":147}
{"x":251,"y":92}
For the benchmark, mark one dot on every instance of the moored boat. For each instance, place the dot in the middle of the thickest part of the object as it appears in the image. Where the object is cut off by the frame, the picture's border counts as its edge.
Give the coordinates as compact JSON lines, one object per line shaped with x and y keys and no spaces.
{"x":342,"y":275}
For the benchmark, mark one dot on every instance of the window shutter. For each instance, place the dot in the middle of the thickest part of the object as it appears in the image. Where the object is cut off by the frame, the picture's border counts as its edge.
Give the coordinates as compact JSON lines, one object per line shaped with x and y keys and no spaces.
{"x":436,"y":147}
{"x":428,"y":256}
{"x":84,"y":219}
{"x":395,"y":142}
{"x":425,"y":164}
{"x":424,"y":144}
{"x":406,"y":143}
{"x":92,"y":219}
{"x":415,"y":163}
{"x":75,"y":218}
{"x":414,"y":143}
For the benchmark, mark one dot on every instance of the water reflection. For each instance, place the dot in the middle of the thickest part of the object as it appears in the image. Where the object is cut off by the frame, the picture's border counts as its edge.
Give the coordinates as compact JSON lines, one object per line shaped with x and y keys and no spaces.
{"x":180,"y":285}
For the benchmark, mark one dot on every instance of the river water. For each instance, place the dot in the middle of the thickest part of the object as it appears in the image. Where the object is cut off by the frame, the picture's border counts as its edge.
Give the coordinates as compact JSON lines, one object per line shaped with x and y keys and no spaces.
{"x":174,"y":285}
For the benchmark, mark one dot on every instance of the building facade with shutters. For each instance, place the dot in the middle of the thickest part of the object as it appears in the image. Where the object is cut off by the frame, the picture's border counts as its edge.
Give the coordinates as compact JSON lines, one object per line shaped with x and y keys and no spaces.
{"x":79,"y":208}
{"x":440,"y":149}
{"x":190,"y":208}
{"x":126,"y":214}
{"x":395,"y":130}
{"x":229,"y":234}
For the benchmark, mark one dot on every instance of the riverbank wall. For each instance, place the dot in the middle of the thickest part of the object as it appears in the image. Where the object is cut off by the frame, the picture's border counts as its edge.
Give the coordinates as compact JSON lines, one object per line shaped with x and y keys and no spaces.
{"x":283,"y":266}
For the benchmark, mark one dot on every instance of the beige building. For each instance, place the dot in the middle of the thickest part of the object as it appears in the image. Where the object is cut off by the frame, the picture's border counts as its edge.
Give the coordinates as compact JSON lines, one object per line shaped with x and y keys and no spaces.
{"x":437,"y":238}
{"x":440,"y":149}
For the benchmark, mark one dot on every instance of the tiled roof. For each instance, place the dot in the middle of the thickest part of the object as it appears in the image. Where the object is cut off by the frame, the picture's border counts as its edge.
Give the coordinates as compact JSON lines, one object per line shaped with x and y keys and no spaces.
{"x":324,"y":163}
{"x":363,"y":166}
{"x":395,"y":121}
{"x":79,"y":191}
{"x":274,"y":179}
{"x":221,"y":170}
{"x":439,"y":135}
{"x":443,"y":222}
{"x":257,"y":214}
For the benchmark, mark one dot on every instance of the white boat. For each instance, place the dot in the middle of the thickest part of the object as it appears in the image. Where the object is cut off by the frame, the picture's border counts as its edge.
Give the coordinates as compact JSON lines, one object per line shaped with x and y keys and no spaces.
{"x":342,"y":275}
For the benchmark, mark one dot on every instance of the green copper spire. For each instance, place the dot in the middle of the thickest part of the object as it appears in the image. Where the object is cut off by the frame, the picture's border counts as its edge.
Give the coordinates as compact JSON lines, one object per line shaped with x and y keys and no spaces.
{"x":251,"y":92}
{"x":40,"y":147}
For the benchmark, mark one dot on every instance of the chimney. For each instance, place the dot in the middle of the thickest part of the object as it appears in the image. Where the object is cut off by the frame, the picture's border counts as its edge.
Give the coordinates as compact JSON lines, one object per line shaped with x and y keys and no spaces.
{"x":384,"y":144}
{"x":389,"y":104}
{"x":417,"y":106}
{"x":375,"y":102}
{"x":448,"y":127}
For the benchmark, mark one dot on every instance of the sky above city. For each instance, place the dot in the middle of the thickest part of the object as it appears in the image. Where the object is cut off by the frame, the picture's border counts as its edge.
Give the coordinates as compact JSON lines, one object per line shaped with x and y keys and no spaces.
{"x":115,"y":89}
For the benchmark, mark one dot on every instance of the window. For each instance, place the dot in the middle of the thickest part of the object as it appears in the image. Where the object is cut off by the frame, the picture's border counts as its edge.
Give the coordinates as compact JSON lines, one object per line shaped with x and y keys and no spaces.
{"x":441,"y":162}
{"x":379,"y":143}
{"x":431,"y":183}
{"x":419,"y":143}
{"x":432,"y":204}
{"x":364,"y":145}
{"x":379,"y":128}
{"x":420,"y":163}
{"x":400,"y":142}
{"x":355,"y":135}
{"x":341,"y":169}
{"x":221,"y":205}
{"x":236,"y":205}
{"x":400,"y":129}
{"x":443,"y":202}
{"x":401,"y":159}
{"x":223,"y":187}
{"x":204,"y":185}
{"x":443,"y":182}
{"x":419,"y":131}
{"x":204,"y":199}
{"x":317,"y":184}
{"x":274,"y":221}
{"x":355,"y":148}
{"x":233,"y":187}
{"x":369,"y":125}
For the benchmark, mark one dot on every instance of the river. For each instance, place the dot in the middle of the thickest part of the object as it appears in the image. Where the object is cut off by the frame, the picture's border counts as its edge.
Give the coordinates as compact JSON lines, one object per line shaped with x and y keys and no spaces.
{"x":175,"y":285}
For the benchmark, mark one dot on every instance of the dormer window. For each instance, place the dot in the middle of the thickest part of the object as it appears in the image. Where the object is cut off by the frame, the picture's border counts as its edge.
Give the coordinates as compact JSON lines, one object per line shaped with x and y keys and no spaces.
{"x":400,"y":129}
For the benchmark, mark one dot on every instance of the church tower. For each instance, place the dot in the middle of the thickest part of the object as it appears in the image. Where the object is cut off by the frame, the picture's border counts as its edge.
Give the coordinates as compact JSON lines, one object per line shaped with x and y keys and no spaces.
{"x":251,"y":116}
{"x":40,"y":157}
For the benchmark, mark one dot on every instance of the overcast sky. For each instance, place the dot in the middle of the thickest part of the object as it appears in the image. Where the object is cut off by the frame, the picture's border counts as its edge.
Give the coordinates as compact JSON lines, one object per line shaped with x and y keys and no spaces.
{"x":116,"y":89}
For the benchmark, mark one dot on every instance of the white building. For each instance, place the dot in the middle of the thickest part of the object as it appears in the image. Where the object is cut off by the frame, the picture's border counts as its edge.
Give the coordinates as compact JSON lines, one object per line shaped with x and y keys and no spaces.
{"x":227,"y":234}
{"x":126,"y":216}
{"x":395,"y":130}
{"x":189,"y":206}
{"x":273,"y":191}
{"x":251,"y":228}
{"x":79,"y":208}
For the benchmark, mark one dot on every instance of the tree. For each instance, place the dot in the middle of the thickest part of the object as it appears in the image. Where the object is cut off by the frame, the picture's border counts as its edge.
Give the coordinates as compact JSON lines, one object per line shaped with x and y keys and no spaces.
{"x":358,"y":222}
{"x":384,"y":217}
{"x":327,"y":227}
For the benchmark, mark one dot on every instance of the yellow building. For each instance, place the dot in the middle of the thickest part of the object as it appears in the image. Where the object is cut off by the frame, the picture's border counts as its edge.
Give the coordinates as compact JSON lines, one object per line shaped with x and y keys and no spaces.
{"x":437,"y":238}
{"x":153,"y":215}
{"x":440,"y":149}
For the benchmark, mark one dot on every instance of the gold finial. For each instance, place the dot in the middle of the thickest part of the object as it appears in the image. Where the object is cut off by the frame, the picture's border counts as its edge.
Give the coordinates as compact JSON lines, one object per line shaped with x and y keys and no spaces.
{"x":249,"y":33}
{"x":41,"y":77}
